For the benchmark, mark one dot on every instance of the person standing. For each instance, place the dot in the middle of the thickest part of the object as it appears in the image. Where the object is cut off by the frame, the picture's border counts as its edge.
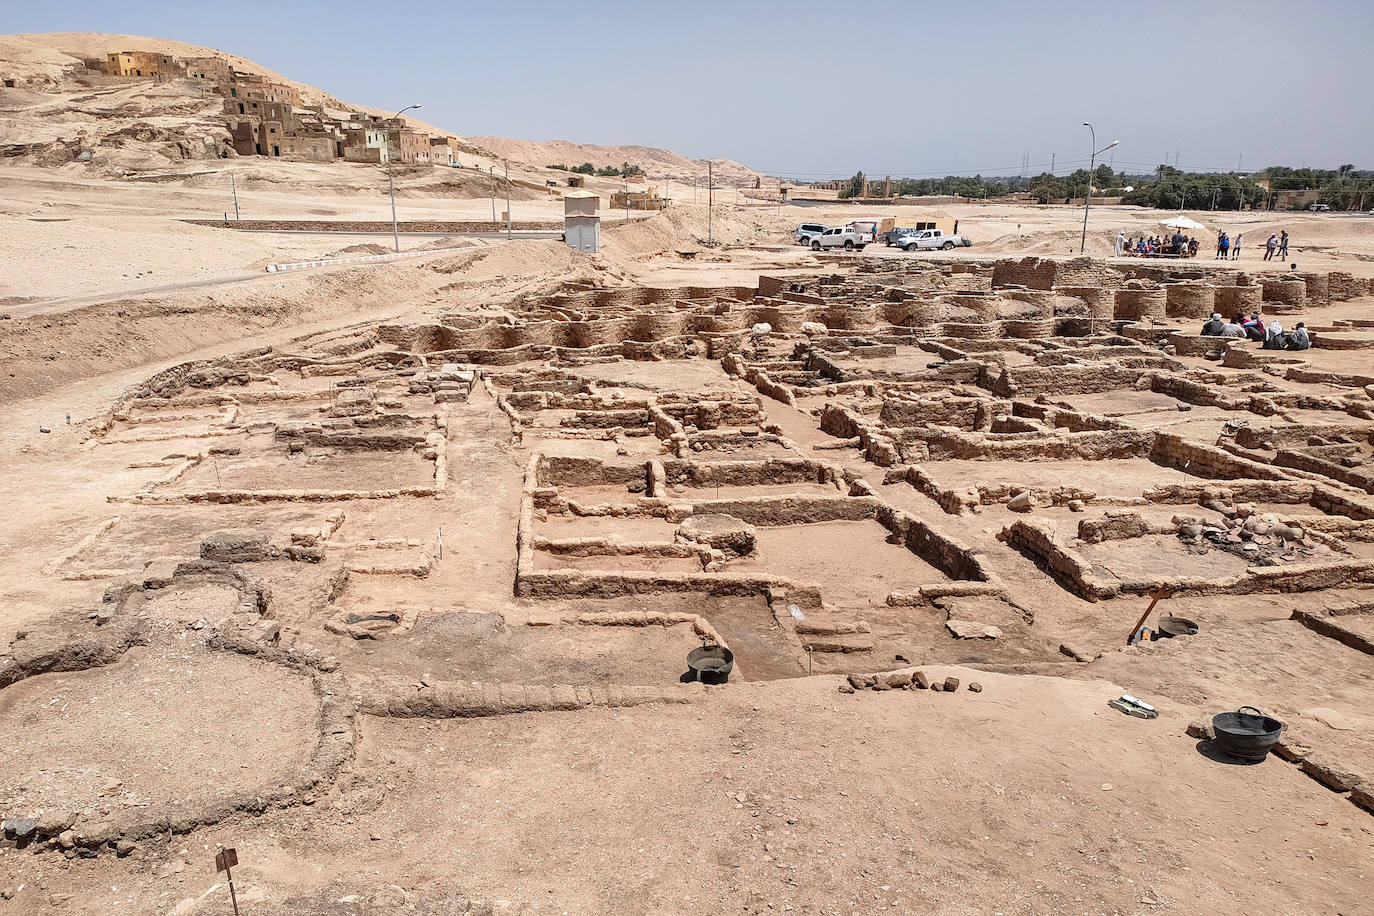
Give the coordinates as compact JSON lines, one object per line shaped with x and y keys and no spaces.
{"x":1221,"y":234}
{"x":1283,"y":246}
{"x":1235,"y":246}
{"x":1225,"y":246}
{"x":1120,"y":244}
{"x":1271,"y":246}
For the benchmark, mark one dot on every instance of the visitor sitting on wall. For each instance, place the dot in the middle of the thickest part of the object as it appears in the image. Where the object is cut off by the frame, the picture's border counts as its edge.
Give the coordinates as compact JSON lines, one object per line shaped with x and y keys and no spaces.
{"x":1299,"y":340}
{"x":1234,"y":328}
{"x":1254,"y":327}
{"x":1212,"y":326}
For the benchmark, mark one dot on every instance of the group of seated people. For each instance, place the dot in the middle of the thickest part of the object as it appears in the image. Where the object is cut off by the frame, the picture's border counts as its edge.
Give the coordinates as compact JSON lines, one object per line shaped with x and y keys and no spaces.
{"x":1254,"y":328}
{"x":1178,"y":245}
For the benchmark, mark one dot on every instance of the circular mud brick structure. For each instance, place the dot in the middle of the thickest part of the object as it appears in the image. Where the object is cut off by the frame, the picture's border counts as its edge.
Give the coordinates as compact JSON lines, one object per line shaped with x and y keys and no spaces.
{"x":720,"y":532}
{"x":1231,"y":300}
{"x":1140,"y":304}
{"x":1029,"y":329}
{"x":1189,"y":300}
{"x":1318,"y":289}
{"x":1290,"y":291}
{"x":167,"y":736}
{"x":1100,"y":300}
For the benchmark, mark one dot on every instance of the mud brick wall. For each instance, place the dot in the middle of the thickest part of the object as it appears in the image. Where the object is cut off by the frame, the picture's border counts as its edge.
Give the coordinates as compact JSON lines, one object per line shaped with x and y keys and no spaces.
{"x":563,"y":471}
{"x":1140,"y":304}
{"x":1090,"y":446}
{"x":1302,"y":461}
{"x":1318,"y":289}
{"x":772,"y":511}
{"x":963,"y":413}
{"x":1076,"y":575}
{"x":1028,"y":381}
{"x":1174,"y":451}
{"x":357,"y":225}
{"x":1099,"y":300}
{"x":1342,"y":286}
{"x":1290,"y":291}
{"x":1189,"y":300}
{"x":749,"y":473}
{"x":954,"y":559}
{"x":1233,"y":300}
{"x":1042,"y":273}
{"x":1296,"y":435}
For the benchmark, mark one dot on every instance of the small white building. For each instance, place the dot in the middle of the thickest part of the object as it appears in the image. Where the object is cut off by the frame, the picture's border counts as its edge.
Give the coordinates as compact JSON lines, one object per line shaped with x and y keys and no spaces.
{"x":581,"y":225}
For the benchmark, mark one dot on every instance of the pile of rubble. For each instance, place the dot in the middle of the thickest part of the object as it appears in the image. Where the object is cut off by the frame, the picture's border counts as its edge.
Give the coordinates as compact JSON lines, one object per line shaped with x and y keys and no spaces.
{"x":1261,"y":539}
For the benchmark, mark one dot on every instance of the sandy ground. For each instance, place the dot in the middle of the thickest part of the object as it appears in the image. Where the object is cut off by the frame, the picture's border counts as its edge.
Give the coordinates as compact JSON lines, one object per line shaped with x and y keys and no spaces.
{"x":775,"y":795}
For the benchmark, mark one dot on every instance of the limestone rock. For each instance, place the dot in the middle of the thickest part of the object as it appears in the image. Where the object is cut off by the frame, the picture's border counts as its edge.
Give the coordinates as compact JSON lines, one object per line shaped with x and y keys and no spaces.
{"x":1021,"y":502}
{"x":968,"y":629}
{"x":951,"y":684}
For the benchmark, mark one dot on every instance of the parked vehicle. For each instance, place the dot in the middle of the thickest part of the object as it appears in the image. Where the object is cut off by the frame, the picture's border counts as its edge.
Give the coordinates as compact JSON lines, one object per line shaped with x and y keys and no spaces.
{"x":804,"y":233}
{"x":928,"y":239}
{"x":866,"y":228}
{"x":839,"y":237}
{"x":895,"y":235}
{"x":1319,"y":208}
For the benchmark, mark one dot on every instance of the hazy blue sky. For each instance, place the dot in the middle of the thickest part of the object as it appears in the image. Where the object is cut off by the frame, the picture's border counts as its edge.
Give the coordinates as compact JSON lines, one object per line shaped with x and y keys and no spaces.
{"x":813,"y":89}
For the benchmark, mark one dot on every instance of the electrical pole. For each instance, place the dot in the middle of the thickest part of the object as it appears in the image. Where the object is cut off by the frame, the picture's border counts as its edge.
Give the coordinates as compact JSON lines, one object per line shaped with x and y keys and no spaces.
{"x":508,"y":200}
{"x":390,"y":181}
{"x":710,"y":188}
{"x":625,"y":174}
{"x":235,"y":185}
{"x":1051,"y":164}
{"x":491,"y":171}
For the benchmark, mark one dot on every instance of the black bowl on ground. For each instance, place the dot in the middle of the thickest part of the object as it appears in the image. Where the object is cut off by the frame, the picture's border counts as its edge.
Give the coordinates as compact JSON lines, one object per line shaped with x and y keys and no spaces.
{"x":712,"y":664}
{"x":1247,"y":735}
{"x":1176,"y":626}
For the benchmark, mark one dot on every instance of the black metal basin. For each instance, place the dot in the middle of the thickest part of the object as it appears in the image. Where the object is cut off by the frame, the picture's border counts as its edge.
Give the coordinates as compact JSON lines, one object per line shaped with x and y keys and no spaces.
{"x":711,"y":664}
{"x":1176,"y":626}
{"x":1247,"y":735}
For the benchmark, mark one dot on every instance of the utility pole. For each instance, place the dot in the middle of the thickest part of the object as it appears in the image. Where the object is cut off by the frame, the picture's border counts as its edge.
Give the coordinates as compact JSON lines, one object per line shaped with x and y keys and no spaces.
{"x":390,"y":181}
{"x":508,"y":200}
{"x":235,"y":185}
{"x":710,"y":188}
{"x":1051,"y":163}
{"x":491,"y":171}
{"x":625,"y":174}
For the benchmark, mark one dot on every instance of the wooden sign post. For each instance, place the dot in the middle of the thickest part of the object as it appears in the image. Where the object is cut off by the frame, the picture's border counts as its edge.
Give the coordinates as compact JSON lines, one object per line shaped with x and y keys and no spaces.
{"x":225,"y":860}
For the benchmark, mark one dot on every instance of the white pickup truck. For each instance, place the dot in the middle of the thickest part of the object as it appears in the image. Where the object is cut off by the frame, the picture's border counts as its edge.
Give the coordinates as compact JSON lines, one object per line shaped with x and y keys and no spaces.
{"x":927,"y":239}
{"x":839,"y":237}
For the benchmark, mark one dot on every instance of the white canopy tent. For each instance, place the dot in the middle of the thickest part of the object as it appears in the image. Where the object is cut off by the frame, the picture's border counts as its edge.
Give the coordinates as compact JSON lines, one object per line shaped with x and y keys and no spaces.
{"x":1181,"y":222}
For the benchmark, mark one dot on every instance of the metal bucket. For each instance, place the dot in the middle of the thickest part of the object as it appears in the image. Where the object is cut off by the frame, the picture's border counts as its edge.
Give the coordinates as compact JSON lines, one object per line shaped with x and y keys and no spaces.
{"x":1176,"y":626}
{"x":711,"y":663}
{"x":1247,"y":735}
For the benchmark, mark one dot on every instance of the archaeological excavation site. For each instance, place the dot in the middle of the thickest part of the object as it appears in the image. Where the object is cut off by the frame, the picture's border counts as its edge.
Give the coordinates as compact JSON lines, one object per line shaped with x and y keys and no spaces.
{"x":721,"y":586}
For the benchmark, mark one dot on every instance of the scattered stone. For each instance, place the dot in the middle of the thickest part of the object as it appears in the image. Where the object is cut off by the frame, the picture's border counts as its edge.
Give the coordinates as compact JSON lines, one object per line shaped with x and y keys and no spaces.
{"x":951,"y":684}
{"x":920,"y":680}
{"x":1201,"y":729}
{"x":846,"y":688}
{"x":19,"y":827}
{"x":1021,"y":502}
{"x":1074,"y":653}
{"x":1077,"y":505}
{"x":125,"y":847}
{"x":862,"y":681}
{"x":968,"y":629}
{"x":975,"y":687}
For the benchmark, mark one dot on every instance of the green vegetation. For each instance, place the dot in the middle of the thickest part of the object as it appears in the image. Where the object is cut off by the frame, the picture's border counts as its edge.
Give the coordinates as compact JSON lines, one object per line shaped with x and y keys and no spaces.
{"x":1167,"y":188}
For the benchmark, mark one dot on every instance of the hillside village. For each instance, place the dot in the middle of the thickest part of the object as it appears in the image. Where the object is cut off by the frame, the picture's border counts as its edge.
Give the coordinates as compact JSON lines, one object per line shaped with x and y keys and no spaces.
{"x":266,"y":118}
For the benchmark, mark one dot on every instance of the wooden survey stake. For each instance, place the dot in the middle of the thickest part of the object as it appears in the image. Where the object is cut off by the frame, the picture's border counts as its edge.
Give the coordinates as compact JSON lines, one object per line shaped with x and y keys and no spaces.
{"x":225,"y":860}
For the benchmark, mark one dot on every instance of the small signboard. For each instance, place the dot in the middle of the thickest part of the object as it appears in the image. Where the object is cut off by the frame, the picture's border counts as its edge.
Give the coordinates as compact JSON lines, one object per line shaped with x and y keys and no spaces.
{"x":226,"y":859}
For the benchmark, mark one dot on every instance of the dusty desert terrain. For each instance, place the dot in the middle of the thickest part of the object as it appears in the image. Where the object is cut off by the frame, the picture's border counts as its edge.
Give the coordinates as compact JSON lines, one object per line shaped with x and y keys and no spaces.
{"x":385,"y":574}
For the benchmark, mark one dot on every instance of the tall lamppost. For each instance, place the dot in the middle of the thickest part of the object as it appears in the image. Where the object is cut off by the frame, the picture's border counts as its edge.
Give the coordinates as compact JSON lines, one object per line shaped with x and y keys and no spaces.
{"x":391,"y":182}
{"x":1088,"y":199}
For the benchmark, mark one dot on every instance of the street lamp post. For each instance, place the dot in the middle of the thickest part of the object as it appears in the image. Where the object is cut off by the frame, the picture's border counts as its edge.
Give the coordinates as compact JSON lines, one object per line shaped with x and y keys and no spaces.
{"x":391,"y":181}
{"x":1088,"y":198}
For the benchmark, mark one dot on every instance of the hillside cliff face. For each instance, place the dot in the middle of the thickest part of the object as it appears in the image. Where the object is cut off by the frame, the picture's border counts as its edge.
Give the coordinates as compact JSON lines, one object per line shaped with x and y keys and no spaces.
{"x":62,"y":112}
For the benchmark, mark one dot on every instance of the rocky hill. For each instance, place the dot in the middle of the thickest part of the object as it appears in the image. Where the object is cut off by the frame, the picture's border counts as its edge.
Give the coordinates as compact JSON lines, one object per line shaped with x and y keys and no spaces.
{"x":56,"y":111}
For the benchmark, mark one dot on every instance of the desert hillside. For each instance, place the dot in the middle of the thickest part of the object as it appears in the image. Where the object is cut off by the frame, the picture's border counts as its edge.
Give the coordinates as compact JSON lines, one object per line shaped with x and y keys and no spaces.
{"x":653,"y":160}
{"x":63,"y":107}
